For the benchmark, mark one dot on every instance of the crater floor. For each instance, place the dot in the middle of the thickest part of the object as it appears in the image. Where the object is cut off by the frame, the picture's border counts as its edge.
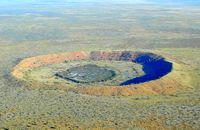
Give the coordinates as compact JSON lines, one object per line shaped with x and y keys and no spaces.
{"x":87,"y":74}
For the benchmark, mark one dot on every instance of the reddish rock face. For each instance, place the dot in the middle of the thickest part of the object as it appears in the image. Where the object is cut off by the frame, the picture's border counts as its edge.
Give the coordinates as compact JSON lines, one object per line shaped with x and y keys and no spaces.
{"x":121,"y":55}
{"x":98,"y":55}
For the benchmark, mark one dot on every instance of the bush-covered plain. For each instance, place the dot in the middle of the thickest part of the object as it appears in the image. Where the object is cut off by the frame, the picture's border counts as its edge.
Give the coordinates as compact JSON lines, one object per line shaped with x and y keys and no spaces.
{"x":170,"y":31}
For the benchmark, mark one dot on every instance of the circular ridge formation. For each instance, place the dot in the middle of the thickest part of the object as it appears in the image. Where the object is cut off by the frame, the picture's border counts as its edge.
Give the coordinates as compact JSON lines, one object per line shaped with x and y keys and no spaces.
{"x":154,"y":81}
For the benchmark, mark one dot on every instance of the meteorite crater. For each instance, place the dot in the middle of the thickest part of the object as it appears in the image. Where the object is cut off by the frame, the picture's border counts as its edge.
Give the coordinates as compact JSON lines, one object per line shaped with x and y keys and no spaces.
{"x":99,"y":73}
{"x":89,"y":73}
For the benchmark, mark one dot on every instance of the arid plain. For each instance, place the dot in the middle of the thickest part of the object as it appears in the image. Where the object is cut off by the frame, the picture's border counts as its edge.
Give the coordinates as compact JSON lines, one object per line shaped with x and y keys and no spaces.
{"x":29,"y":29}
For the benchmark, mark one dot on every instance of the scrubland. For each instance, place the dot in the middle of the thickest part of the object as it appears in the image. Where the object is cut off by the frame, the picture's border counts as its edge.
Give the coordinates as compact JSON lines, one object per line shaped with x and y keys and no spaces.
{"x":170,"y":31}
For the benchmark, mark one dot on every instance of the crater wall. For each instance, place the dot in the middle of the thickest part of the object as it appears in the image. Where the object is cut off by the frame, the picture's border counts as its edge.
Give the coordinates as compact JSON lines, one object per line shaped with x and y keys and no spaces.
{"x":156,"y":79}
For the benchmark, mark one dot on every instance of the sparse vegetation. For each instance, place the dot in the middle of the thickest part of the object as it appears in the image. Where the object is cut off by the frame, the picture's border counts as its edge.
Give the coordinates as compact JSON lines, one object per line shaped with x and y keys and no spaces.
{"x":28,"y":31}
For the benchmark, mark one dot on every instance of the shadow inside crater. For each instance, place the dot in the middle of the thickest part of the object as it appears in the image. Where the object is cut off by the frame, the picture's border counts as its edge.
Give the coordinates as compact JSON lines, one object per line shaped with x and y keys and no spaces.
{"x":153,"y":69}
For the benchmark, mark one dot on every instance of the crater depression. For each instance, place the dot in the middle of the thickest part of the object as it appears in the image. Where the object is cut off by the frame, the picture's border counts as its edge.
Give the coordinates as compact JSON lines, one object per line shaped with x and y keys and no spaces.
{"x":99,"y":73}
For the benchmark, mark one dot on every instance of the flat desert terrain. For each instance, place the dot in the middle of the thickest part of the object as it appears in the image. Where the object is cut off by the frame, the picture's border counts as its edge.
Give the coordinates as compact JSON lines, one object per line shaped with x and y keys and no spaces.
{"x":44,"y":45}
